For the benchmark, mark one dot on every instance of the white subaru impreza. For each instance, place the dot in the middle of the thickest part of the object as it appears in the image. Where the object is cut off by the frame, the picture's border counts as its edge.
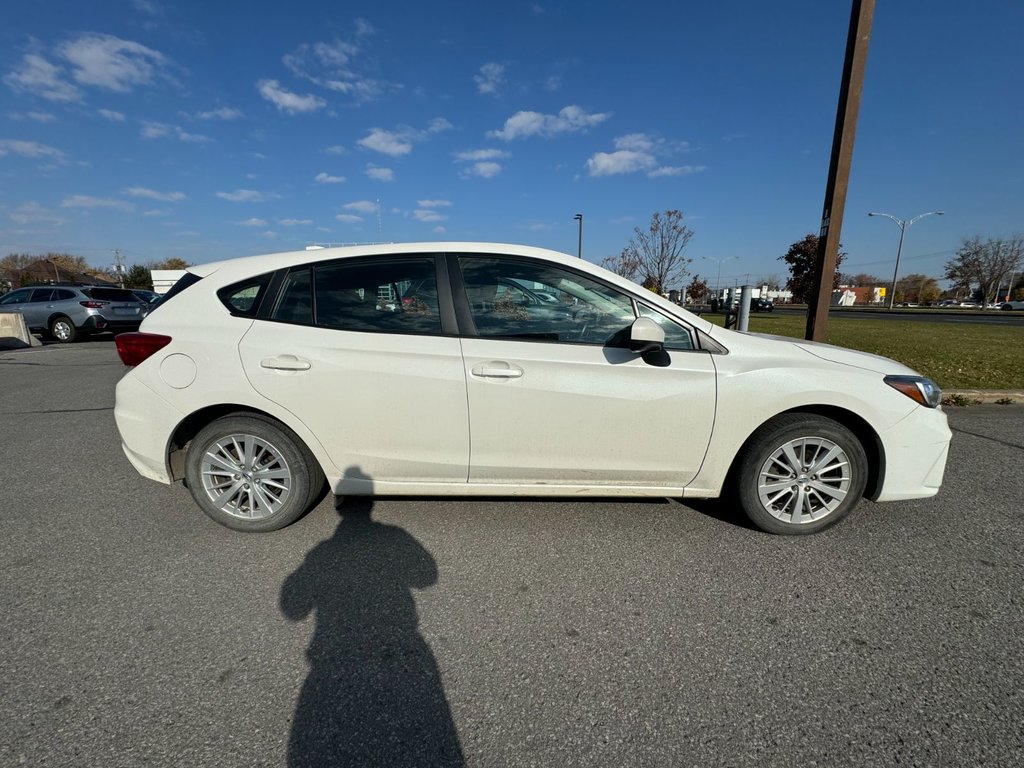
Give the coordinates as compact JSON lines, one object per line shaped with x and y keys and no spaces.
{"x":484,"y":369}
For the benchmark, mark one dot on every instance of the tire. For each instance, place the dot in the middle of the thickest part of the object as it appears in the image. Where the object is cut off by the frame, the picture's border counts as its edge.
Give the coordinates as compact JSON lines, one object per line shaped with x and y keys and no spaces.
{"x":800,"y":474}
{"x":220,"y":474}
{"x":62,"y":329}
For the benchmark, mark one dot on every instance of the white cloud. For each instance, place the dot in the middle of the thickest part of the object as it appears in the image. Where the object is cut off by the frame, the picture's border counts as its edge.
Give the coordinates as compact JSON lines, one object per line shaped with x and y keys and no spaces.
{"x":294,"y":222}
{"x":148,"y":7}
{"x":221,"y":113}
{"x":380,"y":174}
{"x":434,"y":203}
{"x":151,"y":130}
{"x":31,"y":149}
{"x":152,"y":194}
{"x":636,"y":142}
{"x":245,"y":196}
{"x":361,"y":206}
{"x":348,"y":218}
{"x":33,"y":213}
{"x":439,"y":229}
{"x":337,"y":149}
{"x":335,"y":66}
{"x":427,"y":215}
{"x":254,"y":222}
{"x":399,"y":142}
{"x":571,"y":119}
{"x":269,"y":234}
{"x":475,"y":155}
{"x":38,"y":76}
{"x":326,"y":178}
{"x":88,"y":201}
{"x":156,"y":212}
{"x":111,"y":115}
{"x":680,"y":170}
{"x":386,"y":142}
{"x":38,"y":117}
{"x":553,"y":83}
{"x":483,"y":170}
{"x":622,"y":161}
{"x":106,"y":61}
{"x":286,"y":101}
{"x":491,"y":76}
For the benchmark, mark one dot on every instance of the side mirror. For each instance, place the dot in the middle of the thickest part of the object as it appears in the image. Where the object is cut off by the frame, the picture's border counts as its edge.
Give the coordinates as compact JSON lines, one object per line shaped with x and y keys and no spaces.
{"x":645,"y":336}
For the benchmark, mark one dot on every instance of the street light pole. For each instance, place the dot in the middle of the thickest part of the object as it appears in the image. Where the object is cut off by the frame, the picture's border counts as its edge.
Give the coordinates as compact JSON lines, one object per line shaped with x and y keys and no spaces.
{"x":718,"y":280}
{"x":903,"y":224}
{"x":579,"y":248}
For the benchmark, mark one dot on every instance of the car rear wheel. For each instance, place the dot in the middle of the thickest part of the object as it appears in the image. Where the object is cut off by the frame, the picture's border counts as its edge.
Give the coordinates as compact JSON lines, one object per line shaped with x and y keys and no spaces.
{"x":800,"y":474}
{"x":252,"y":474}
{"x":63,"y":330}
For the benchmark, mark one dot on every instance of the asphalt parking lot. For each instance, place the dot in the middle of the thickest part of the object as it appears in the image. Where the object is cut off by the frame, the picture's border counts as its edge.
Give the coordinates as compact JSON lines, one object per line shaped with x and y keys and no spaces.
{"x":515,"y":633}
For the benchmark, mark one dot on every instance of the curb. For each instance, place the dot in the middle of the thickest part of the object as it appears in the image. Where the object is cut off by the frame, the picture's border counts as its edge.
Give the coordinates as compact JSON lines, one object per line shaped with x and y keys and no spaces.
{"x":985,"y":395}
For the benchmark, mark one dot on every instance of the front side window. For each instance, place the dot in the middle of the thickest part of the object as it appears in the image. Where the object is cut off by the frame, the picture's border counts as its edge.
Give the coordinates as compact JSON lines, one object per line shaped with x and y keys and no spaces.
{"x":16,"y":297}
{"x":522,"y":299}
{"x":391,"y":295}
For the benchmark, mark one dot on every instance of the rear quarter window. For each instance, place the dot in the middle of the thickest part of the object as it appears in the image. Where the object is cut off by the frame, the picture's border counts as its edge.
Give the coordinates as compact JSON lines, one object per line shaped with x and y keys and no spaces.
{"x":244,"y":298}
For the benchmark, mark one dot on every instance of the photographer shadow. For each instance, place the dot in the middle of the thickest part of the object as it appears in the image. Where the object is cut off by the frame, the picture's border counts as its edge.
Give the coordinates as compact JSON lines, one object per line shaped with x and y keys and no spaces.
{"x":374,"y":694}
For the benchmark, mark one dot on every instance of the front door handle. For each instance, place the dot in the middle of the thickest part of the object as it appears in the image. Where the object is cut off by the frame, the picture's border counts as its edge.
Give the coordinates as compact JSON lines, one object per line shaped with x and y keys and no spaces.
{"x":285,"y":363}
{"x":497,"y":369}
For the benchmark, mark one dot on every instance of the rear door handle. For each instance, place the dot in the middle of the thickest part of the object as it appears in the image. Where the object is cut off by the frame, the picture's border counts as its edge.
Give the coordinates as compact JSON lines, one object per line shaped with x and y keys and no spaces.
{"x":285,"y":363}
{"x":497,"y":370}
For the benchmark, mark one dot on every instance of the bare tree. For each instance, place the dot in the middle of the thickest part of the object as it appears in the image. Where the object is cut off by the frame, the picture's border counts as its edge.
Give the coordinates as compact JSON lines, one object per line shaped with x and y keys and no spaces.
{"x":697,"y":290}
{"x":772,"y":281}
{"x":624,"y":264}
{"x":917,"y":288}
{"x":658,"y":251}
{"x":986,"y":263}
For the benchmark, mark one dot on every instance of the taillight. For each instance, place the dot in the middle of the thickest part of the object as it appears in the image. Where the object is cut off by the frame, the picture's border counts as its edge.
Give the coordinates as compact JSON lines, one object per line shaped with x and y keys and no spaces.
{"x":134,"y":348}
{"x":93,"y":304}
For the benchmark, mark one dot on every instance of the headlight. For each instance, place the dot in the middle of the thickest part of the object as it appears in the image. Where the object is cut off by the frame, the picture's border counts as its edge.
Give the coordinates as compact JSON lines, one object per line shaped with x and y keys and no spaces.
{"x":919,"y":389}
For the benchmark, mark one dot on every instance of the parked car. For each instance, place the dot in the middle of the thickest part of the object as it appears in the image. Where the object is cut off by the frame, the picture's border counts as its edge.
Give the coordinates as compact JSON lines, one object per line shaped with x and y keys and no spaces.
{"x":147,"y":297}
{"x":1010,"y":305}
{"x":69,"y":310}
{"x":261,"y":379}
{"x":760,"y":304}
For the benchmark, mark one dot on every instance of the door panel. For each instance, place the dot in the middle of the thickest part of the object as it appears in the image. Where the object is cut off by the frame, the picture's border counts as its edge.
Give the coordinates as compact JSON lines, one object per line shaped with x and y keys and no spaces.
{"x":392,"y":405}
{"x":586,"y":415}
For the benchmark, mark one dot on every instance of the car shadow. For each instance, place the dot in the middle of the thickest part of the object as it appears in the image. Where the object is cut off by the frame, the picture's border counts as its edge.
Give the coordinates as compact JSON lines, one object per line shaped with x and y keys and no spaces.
{"x":373,"y":695}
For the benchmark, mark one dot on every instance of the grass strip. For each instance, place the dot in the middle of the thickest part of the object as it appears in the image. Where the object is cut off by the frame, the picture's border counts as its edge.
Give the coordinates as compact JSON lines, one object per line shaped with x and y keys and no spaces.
{"x":954,"y":355}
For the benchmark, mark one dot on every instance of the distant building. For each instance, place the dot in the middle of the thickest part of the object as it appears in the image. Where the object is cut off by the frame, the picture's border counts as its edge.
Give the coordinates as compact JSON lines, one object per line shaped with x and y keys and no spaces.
{"x":163,"y":279}
{"x":42,"y":271}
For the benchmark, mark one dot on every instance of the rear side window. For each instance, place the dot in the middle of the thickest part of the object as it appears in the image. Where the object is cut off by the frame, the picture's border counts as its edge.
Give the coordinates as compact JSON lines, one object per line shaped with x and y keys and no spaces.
{"x":63,"y":295}
{"x":244,"y":298}
{"x":110,"y":294}
{"x":391,"y":295}
{"x":296,"y":302}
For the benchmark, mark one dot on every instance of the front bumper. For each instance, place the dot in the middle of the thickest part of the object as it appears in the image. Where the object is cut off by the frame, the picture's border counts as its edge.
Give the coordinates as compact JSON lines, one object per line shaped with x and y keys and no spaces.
{"x":916,"y":450}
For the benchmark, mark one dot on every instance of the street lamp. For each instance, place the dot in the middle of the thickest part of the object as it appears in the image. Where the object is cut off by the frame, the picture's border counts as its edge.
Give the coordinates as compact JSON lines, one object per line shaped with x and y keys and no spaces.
{"x":902,"y":224}
{"x":579,"y":248}
{"x":718,"y":280}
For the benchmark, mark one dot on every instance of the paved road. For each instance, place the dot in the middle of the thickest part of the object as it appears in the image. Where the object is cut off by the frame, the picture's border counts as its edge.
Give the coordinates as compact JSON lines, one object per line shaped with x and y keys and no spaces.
{"x":515,"y":633}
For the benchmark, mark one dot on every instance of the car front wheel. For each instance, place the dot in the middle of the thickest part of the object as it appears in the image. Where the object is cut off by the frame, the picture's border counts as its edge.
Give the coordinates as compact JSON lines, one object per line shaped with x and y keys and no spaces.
{"x":251,"y":474}
{"x":801,"y":473}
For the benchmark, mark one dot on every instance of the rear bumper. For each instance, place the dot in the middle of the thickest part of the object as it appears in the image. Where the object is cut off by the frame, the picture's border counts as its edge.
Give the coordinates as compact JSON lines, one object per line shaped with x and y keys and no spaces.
{"x":98,"y":323}
{"x":146,"y":422}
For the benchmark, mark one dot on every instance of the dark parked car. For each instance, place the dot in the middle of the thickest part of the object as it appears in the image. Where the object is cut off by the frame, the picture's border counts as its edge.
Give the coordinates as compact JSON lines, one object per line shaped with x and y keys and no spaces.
{"x":761,"y":305}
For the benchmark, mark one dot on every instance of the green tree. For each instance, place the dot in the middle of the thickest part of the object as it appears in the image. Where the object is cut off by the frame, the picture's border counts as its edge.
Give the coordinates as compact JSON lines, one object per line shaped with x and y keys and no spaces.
{"x":697,"y":290}
{"x":802,"y":257}
{"x":986,"y":263}
{"x":172,"y":263}
{"x":138,"y":276}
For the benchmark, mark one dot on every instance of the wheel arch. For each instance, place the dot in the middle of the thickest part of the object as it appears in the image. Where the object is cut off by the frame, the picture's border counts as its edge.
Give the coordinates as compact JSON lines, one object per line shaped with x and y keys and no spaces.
{"x":860,"y":428}
{"x":177,"y":446}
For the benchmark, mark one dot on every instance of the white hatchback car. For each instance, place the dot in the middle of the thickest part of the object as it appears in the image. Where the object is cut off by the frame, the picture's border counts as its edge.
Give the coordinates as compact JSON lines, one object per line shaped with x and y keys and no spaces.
{"x":435,"y":368}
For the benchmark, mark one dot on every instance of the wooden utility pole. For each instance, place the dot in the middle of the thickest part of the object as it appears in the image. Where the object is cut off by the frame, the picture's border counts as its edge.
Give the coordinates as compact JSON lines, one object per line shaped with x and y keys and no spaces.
{"x":861,"y":16}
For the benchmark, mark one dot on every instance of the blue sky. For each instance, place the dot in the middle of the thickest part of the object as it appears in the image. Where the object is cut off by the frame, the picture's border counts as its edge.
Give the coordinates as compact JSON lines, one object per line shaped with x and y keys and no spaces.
{"x":209,"y":130}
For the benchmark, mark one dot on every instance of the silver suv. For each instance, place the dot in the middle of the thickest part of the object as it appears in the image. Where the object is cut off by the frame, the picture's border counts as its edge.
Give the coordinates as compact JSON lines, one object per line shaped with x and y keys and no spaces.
{"x":67,"y":311}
